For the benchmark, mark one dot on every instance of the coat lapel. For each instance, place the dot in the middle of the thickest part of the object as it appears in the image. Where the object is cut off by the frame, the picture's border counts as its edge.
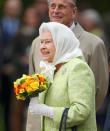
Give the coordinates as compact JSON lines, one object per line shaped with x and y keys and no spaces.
{"x":78,"y":30}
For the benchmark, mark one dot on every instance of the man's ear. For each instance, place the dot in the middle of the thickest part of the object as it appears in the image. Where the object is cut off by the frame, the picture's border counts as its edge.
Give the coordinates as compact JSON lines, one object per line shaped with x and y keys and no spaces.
{"x":74,"y":12}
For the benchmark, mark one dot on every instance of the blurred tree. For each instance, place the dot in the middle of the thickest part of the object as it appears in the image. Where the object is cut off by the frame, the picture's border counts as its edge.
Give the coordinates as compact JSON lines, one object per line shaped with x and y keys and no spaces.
{"x":102,"y":6}
{"x":27,"y":2}
{"x":1,"y":6}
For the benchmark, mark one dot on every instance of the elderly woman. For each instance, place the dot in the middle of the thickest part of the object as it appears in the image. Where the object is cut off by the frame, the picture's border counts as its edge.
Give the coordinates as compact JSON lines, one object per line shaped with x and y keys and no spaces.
{"x":73,"y":84}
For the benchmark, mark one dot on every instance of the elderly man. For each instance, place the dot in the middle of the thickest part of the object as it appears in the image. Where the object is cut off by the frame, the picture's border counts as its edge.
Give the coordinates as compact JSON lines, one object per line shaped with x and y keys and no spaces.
{"x":64,"y":11}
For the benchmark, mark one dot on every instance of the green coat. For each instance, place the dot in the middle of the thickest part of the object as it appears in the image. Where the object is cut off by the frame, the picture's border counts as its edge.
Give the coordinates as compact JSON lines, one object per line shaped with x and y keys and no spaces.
{"x":73,"y":87}
{"x":95,"y":55}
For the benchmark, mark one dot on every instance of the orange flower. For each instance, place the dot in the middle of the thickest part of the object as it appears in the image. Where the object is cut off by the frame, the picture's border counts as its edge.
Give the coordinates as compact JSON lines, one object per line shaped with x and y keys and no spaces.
{"x":29,"y":85}
{"x":41,"y":78}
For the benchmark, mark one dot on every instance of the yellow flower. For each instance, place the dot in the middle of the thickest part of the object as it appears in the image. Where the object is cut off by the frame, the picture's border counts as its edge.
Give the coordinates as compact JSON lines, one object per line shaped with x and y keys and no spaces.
{"x":29,"y":85}
{"x":34,"y":85}
{"x":44,"y":86}
{"x":29,"y":89}
{"x":20,"y":97}
{"x":21,"y":91}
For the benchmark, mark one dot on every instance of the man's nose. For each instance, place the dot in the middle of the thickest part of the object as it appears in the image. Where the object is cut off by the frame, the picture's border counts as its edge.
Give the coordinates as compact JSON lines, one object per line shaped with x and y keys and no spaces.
{"x":56,"y":9}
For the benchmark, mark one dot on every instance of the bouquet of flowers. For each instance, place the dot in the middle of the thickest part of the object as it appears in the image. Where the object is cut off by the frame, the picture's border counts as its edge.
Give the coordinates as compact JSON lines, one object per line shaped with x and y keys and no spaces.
{"x":30,"y":85}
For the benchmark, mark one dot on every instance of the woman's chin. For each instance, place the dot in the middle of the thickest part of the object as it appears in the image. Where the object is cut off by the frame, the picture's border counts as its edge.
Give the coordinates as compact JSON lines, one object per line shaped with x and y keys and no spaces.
{"x":47,"y":60}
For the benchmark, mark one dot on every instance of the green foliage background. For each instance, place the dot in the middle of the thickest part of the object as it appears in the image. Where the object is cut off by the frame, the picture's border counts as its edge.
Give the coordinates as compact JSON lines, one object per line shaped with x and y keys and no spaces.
{"x":102,"y":6}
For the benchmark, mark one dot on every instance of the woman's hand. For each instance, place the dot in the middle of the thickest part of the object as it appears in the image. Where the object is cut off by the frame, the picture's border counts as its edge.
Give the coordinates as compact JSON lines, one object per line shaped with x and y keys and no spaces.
{"x":41,"y":109}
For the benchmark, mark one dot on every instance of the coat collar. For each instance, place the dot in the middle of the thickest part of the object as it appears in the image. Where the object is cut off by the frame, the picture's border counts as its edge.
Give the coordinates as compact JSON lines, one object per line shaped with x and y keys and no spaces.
{"x":78,"y":30}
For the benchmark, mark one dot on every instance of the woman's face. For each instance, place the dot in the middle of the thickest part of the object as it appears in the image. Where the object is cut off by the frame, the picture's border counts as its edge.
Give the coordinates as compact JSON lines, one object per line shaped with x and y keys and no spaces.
{"x":47,"y":47}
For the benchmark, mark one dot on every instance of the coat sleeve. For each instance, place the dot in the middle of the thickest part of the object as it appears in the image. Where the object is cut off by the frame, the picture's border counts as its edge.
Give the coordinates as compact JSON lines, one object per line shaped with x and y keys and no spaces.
{"x":35,"y":56}
{"x":81,"y":92}
{"x":31,"y":61}
{"x":99,"y":66}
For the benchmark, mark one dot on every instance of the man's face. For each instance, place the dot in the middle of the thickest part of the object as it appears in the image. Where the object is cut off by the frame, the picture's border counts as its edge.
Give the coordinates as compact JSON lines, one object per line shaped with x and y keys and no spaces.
{"x":62,"y":11}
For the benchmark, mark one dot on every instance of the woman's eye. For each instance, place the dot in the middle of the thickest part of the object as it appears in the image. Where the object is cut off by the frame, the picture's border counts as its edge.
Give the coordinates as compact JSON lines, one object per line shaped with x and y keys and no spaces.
{"x":41,"y":42}
{"x":46,"y":42}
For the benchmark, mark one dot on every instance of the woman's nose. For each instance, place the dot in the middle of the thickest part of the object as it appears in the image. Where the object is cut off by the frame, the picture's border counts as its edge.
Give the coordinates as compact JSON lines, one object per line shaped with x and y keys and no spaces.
{"x":42,"y":45}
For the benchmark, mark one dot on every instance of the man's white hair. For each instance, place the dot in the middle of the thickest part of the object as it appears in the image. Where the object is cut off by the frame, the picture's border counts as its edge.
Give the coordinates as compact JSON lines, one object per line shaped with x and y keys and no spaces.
{"x":70,"y":1}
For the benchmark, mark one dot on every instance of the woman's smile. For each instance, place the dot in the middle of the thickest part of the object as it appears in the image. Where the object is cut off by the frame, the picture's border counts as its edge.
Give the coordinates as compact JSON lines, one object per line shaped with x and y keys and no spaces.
{"x":47,"y":46}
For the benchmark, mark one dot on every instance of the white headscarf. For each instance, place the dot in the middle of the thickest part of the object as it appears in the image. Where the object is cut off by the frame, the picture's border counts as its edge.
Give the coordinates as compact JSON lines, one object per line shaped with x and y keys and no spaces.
{"x":66,"y":44}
